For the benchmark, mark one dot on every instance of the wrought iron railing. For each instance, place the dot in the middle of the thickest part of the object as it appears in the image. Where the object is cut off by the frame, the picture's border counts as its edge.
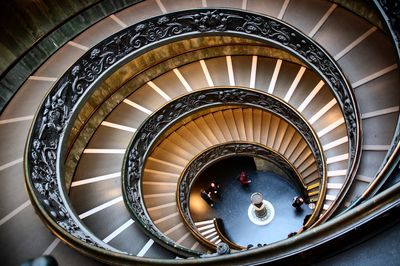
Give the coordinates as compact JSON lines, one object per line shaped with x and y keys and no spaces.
{"x":31,"y":59}
{"x":219,"y":152}
{"x":45,"y":147}
{"x":155,"y":127}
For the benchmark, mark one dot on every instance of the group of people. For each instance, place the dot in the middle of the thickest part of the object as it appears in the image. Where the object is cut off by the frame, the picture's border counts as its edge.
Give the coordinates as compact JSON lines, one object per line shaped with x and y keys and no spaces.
{"x":211,"y":193}
{"x":250,"y":246}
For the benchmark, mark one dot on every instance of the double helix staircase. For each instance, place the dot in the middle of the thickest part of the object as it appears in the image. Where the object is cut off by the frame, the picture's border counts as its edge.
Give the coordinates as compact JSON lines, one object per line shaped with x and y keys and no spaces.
{"x":362,"y":50}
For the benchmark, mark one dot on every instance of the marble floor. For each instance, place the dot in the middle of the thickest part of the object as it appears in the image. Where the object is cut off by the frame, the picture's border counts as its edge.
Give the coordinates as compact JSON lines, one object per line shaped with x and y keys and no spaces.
{"x":235,"y":200}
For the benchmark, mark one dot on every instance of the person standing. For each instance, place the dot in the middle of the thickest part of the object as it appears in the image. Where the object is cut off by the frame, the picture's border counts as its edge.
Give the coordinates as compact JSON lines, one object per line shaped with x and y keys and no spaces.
{"x":215,"y":189}
{"x":297,"y":202}
{"x":244,"y":180}
{"x":207,"y":197}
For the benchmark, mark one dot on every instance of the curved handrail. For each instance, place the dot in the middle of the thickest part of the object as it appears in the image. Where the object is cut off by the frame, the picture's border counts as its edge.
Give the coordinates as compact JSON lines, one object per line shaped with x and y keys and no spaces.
{"x":389,"y":13}
{"x":120,"y":6}
{"x":219,"y":227}
{"x":35,"y":52}
{"x":91,"y":115}
{"x":44,"y":151}
{"x":210,"y":156}
{"x":153,"y":128}
{"x":391,"y":19}
{"x":311,"y":244}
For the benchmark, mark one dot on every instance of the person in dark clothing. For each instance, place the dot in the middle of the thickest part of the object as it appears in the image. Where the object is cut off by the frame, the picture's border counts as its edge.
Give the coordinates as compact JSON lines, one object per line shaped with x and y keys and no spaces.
{"x":207,"y":197}
{"x":306,"y":218}
{"x":297,"y":202}
{"x":215,"y":189}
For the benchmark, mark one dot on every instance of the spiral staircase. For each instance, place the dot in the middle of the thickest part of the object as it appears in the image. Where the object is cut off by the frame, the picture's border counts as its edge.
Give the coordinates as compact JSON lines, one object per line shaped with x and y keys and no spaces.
{"x":105,"y":130}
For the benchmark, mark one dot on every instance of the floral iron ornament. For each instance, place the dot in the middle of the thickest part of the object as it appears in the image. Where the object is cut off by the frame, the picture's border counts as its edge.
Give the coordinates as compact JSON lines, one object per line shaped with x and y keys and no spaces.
{"x":44,"y":152}
{"x":162,"y":120}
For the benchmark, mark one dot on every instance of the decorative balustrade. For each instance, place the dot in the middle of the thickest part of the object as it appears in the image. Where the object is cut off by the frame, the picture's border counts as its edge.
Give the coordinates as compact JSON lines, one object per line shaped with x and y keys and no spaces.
{"x":208,"y":157}
{"x":45,"y":151}
{"x":156,"y":126}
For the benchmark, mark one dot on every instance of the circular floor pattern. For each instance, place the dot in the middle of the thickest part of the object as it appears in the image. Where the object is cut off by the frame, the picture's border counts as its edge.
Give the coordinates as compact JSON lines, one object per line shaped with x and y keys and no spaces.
{"x":234,"y":203}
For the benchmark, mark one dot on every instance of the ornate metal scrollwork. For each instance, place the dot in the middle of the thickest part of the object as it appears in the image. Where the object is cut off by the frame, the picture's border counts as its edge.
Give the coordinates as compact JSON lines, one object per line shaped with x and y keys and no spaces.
{"x":63,"y":102}
{"x":160,"y":121}
{"x":202,"y":161}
